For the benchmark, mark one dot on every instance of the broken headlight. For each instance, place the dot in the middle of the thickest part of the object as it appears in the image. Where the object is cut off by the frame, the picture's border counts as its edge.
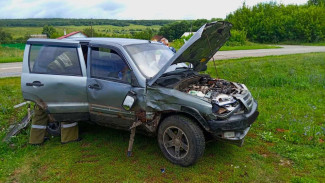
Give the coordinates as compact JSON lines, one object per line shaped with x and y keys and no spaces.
{"x":223,"y":105}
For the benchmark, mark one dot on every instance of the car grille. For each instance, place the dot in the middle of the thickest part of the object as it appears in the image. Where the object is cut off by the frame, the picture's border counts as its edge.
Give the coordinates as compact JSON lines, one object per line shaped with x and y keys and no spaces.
{"x":246,"y":99}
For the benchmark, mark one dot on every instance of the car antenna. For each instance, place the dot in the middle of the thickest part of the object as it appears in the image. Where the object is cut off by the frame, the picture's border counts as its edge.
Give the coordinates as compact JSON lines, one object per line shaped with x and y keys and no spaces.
{"x":214,"y":63}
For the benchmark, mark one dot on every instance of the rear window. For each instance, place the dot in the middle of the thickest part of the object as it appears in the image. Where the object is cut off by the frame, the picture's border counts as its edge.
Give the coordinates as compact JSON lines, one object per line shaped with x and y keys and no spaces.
{"x":56,"y":60}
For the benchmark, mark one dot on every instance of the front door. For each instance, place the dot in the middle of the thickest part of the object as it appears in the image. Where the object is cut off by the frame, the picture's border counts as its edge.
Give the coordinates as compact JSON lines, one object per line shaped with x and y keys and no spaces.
{"x":108,"y":84}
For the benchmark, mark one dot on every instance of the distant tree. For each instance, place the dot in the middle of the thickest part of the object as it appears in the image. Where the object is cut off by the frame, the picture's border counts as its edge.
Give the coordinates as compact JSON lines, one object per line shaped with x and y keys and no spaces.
{"x":49,"y":30}
{"x":5,"y":37}
{"x":90,"y":32}
{"x":196,"y":24}
{"x":216,"y":19}
{"x":146,"y":34}
{"x":316,"y":2}
{"x":175,"y":30}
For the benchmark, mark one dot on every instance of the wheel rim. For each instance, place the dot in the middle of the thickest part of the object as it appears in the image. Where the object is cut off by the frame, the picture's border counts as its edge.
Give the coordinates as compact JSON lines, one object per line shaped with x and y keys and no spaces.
{"x":175,"y":142}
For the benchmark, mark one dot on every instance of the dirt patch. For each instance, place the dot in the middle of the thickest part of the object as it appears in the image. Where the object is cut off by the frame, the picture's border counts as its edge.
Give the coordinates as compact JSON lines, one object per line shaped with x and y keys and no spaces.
{"x":86,"y":161}
{"x":89,"y":156}
{"x":85,"y":144}
{"x":284,"y":162}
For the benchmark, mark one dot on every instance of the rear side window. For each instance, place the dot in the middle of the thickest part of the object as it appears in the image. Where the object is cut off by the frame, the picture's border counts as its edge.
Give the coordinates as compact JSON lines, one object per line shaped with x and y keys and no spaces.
{"x":56,"y":60}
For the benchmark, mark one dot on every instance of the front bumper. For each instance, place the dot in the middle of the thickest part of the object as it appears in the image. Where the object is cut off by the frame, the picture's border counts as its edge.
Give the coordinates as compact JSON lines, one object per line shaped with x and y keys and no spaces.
{"x":239,"y":124}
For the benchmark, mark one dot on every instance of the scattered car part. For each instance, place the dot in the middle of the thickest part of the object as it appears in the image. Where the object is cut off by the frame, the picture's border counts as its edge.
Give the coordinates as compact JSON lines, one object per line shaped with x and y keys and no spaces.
{"x":131,"y":141}
{"x":16,"y":128}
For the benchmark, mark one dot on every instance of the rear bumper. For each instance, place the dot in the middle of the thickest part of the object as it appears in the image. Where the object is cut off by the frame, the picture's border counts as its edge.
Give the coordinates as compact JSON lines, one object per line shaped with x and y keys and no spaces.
{"x":239,"y":124}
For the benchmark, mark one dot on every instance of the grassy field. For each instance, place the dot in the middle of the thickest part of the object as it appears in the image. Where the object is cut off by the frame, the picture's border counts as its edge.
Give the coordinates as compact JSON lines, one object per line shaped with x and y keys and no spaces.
{"x":103,"y":29}
{"x":11,"y":53}
{"x":285,"y":144}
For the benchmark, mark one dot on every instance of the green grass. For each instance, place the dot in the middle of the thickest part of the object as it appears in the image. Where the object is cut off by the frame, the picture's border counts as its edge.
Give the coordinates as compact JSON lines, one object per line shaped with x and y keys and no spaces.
{"x":103,"y":29}
{"x":11,"y":53}
{"x":19,"y":46}
{"x":285,"y":144}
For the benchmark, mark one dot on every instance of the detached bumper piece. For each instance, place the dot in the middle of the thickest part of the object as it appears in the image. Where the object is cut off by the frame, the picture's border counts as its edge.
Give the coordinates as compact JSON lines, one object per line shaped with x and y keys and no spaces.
{"x":235,"y":128}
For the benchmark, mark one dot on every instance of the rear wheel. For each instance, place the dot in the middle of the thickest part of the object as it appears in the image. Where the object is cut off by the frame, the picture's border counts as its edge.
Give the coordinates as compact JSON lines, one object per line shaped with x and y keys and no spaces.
{"x":181,"y":140}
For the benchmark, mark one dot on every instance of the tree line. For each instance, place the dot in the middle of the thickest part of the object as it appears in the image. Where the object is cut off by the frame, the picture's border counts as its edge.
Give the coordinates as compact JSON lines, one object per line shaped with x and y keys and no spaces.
{"x":40,"y":22}
{"x":264,"y":23}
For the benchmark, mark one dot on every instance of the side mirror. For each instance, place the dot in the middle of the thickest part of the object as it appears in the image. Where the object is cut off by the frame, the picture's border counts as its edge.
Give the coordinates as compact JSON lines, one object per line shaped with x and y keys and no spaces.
{"x":129,"y":100}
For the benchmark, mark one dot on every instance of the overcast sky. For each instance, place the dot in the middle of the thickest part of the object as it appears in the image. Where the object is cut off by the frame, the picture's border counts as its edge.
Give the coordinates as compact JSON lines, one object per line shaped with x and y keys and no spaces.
{"x":125,"y":9}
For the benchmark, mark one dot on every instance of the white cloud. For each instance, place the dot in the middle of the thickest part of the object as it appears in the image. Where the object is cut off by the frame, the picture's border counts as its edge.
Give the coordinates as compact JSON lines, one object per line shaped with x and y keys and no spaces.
{"x":125,"y":9}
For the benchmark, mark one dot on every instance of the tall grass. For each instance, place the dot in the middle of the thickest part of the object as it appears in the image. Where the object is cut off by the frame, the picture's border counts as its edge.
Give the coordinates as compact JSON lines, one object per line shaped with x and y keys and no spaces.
{"x":11,"y":54}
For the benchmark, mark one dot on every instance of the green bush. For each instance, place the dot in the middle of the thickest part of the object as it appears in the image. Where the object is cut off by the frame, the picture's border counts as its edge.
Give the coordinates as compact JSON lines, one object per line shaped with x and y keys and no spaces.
{"x":237,"y":38}
{"x":5,"y":37}
{"x":272,"y":22}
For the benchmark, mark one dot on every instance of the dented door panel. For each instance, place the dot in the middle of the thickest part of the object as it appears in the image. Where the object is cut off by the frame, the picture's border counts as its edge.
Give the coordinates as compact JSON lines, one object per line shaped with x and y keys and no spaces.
{"x":105,"y":102}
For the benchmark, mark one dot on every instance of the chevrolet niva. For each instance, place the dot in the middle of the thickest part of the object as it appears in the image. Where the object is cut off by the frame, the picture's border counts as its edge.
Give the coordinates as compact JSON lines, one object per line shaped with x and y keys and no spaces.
{"x":128,"y":83}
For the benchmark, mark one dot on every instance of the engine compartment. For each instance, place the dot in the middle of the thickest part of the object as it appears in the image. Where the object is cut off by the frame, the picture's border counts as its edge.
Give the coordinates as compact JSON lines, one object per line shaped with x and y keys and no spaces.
{"x":225,"y":96}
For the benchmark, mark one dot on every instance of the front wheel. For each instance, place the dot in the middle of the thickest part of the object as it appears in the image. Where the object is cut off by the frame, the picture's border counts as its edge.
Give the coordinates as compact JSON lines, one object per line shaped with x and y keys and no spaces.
{"x":181,"y":140}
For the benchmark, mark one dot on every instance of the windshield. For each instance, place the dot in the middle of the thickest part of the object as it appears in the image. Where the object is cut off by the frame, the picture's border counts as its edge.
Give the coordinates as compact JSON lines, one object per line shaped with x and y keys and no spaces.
{"x":149,"y":57}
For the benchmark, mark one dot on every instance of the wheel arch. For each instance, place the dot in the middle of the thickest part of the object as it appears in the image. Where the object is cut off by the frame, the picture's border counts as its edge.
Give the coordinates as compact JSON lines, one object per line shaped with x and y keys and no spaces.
{"x":187,"y":112}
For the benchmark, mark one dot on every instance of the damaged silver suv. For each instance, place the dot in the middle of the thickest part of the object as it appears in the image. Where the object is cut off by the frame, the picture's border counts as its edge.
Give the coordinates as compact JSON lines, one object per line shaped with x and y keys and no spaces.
{"x":128,"y":84}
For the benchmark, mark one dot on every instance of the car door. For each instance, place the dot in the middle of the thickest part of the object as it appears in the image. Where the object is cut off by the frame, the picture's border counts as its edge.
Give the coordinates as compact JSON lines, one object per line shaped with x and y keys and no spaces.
{"x":54,"y":76}
{"x":108,"y":84}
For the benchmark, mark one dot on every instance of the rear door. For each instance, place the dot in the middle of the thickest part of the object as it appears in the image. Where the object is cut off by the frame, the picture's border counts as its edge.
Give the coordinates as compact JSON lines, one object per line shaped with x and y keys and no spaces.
{"x":54,"y":75}
{"x":108,"y":84}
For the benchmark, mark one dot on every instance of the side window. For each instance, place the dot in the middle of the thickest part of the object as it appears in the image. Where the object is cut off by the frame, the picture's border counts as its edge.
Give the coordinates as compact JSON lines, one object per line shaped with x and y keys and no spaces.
{"x":56,"y":60}
{"x":108,"y":64}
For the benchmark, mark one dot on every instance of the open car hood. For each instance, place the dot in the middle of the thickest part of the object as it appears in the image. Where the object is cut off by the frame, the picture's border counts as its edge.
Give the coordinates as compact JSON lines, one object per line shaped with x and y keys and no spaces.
{"x":200,"y":48}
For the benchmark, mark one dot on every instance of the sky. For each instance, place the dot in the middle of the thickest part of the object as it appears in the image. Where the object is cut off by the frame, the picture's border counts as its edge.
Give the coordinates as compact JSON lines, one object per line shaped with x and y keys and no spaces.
{"x":125,"y":9}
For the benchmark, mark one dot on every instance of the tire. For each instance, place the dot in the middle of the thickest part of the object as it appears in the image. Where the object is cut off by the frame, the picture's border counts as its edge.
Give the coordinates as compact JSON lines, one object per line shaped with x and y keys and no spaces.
{"x":54,"y":128}
{"x":181,"y":140}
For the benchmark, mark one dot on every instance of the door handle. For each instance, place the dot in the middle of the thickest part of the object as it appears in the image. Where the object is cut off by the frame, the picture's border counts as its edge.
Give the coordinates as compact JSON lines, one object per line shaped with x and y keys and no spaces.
{"x":35,"y":83}
{"x":94,"y":86}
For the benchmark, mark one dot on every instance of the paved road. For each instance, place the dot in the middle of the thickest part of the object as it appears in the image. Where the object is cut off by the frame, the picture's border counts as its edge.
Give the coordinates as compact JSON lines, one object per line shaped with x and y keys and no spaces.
{"x":285,"y":50}
{"x":10,"y":69}
{"x":14,"y":69}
